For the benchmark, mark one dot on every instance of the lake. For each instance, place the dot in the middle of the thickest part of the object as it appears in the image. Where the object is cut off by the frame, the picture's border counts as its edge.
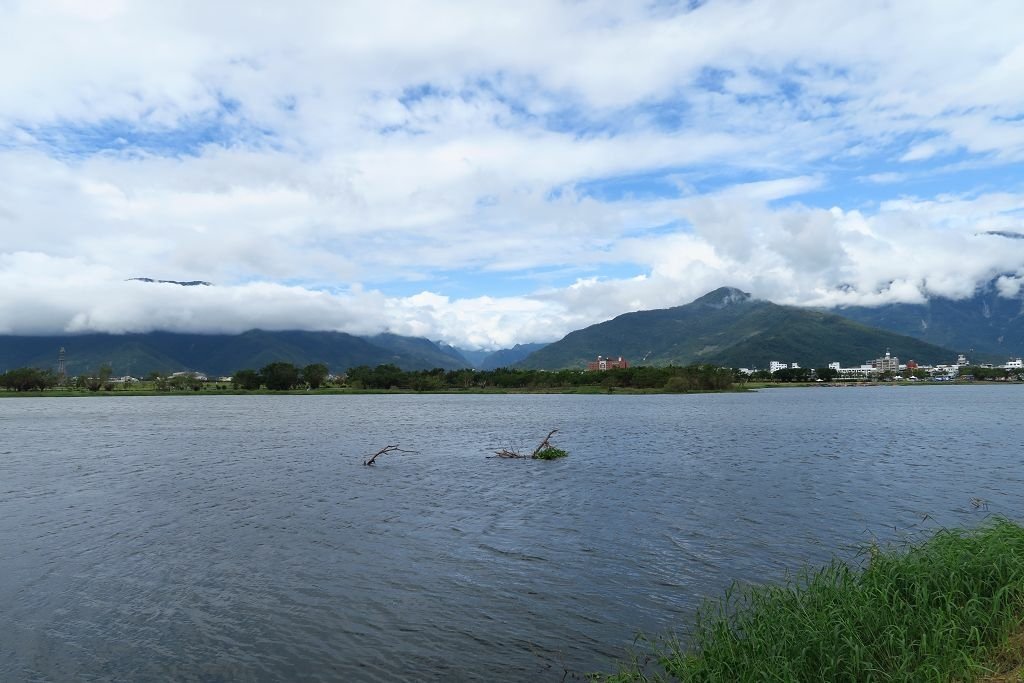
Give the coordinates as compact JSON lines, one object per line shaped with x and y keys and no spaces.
{"x":238,"y":538}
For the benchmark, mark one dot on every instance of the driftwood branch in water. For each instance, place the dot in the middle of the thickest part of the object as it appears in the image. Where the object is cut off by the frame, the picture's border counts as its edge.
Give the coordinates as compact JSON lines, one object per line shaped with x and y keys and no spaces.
{"x":385,"y":451}
{"x":508,"y":453}
{"x":513,"y":453}
{"x":546,"y":443}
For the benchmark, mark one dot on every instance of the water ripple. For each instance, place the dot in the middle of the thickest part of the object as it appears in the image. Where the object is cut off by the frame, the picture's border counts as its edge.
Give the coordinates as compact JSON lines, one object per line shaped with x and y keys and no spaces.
{"x":239,"y":538}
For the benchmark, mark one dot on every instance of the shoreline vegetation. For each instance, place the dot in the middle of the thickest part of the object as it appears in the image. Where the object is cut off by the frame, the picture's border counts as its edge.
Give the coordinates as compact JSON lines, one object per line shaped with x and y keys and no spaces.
{"x":949,"y":608}
{"x":280,"y":377}
{"x":285,"y":378}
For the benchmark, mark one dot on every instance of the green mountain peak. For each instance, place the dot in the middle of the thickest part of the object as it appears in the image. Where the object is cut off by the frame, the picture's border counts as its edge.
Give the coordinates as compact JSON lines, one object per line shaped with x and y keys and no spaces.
{"x":729,"y":327}
{"x":722,"y":297}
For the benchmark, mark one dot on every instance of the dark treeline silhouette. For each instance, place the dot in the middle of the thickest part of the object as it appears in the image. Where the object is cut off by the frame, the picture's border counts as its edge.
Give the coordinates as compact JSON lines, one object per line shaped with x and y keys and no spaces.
{"x":670,"y":378}
{"x":28,"y":379}
{"x":991,"y":374}
{"x":283,"y":376}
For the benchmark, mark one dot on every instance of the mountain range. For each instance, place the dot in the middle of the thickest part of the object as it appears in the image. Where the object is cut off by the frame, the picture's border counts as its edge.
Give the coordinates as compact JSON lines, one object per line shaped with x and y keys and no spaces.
{"x":984,"y":324}
{"x":220,"y":354}
{"x":729,"y":327}
{"x":223,"y":354}
{"x":724,"y":327}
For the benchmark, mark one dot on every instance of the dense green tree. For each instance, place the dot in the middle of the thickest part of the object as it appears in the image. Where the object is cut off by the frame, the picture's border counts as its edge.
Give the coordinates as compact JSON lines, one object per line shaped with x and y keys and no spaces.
{"x":980,"y":373}
{"x":792,"y":375}
{"x":28,"y":379}
{"x":280,"y":376}
{"x":826,"y":374}
{"x":249,"y":380}
{"x":698,"y":378}
{"x":670,"y":378}
{"x":100,"y":380}
{"x":315,"y":374}
{"x":461,"y":379}
{"x":385,"y":377}
{"x":359,"y":376}
{"x":189,"y":381}
{"x":427,"y":382}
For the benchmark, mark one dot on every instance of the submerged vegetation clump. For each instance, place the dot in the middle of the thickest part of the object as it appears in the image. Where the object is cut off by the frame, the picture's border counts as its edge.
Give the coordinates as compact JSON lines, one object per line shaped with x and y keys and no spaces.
{"x":936,"y":611}
{"x":543,"y":451}
{"x":549,"y":453}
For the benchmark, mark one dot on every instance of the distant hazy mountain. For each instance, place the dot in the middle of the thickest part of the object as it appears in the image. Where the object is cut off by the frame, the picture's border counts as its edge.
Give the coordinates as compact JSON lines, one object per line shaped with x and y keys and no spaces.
{"x":441,"y":355}
{"x":728,"y":327}
{"x":506,"y":358}
{"x":475,"y":358}
{"x":983,"y":324}
{"x":502,"y":358}
{"x":190,"y":283}
{"x":220,"y":354}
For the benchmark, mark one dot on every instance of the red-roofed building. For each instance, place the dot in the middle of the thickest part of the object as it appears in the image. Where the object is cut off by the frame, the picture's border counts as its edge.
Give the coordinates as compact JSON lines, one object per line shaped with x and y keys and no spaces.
{"x":603,"y":363}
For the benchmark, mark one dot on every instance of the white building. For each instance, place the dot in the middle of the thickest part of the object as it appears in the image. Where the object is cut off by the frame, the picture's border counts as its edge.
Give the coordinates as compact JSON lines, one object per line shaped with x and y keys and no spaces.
{"x":887,"y":363}
{"x":776,"y":365}
{"x":863,"y":371}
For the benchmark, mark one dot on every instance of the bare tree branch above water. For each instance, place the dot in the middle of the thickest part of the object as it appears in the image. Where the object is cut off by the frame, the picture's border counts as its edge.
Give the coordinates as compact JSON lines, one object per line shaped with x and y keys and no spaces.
{"x":385,"y":451}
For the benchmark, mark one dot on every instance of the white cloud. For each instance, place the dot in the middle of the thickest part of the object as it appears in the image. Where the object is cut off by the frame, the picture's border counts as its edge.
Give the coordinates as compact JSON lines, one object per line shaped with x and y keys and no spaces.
{"x":307,"y":158}
{"x":792,"y":254}
{"x":924,"y":150}
{"x":884,"y":178}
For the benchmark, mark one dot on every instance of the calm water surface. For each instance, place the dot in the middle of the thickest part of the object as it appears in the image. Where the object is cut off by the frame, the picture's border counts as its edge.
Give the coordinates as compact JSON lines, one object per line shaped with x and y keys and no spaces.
{"x":237,"y":538}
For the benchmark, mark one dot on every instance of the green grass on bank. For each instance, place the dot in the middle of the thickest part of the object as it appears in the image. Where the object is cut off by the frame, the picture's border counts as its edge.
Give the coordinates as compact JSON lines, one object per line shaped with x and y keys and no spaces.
{"x":937,"y":611}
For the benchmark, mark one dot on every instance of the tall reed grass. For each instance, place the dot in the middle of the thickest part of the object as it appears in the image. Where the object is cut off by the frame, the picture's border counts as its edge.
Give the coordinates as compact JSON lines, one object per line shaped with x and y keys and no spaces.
{"x":934,"y":611}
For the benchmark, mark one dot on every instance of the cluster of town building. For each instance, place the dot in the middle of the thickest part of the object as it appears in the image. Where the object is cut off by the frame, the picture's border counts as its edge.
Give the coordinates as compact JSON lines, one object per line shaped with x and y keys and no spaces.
{"x":128,"y":379}
{"x":871,"y":368}
{"x":891,"y":364}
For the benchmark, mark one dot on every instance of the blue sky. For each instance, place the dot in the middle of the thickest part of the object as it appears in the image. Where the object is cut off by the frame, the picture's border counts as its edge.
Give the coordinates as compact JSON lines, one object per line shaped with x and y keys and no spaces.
{"x":497,"y":173}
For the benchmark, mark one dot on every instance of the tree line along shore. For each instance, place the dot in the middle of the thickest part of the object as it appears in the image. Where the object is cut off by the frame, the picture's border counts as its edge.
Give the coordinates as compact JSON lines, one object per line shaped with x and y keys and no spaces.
{"x":282,"y":376}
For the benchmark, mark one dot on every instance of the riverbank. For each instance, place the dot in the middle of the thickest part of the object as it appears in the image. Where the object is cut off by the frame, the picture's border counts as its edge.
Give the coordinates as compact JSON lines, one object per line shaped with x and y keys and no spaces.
{"x":147,"y":389}
{"x":950,"y":608}
{"x":342,"y":391}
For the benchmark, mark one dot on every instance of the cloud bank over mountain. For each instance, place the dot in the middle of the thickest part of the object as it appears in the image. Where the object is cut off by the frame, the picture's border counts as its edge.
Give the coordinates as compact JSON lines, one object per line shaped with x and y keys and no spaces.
{"x":488,"y":174}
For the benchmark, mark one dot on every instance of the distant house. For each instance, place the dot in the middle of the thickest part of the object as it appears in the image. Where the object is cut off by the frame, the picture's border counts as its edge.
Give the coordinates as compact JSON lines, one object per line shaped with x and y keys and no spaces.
{"x":194,"y":375}
{"x":603,"y":363}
